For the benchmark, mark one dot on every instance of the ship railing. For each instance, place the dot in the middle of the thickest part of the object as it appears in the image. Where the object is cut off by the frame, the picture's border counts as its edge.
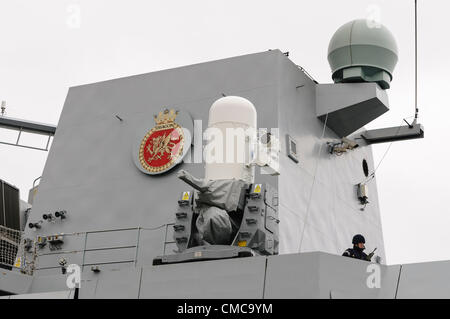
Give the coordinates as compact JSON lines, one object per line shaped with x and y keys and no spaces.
{"x":85,"y":249}
{"x":167,"y":242}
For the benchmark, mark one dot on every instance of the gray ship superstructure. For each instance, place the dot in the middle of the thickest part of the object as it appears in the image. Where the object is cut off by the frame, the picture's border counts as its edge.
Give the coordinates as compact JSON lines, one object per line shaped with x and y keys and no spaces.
{"x":131,"y":228}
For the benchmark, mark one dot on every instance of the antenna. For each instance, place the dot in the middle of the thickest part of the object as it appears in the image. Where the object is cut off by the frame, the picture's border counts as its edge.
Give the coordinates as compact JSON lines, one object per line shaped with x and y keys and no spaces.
{"x":416,"y":109}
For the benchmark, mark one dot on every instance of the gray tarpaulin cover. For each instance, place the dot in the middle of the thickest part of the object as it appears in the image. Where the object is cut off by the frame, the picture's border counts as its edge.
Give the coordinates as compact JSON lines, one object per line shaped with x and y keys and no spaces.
{"x":214,"y":199}
{"x":214,"y":225}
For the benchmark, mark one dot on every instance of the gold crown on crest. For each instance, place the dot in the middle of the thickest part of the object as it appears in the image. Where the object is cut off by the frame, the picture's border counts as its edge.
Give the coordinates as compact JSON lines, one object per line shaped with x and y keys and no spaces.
{"x":165,"y":117}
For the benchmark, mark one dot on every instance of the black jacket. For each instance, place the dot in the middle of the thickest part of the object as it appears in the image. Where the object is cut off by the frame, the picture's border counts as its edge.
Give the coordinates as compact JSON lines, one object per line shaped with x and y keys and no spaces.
{"x":357,"y":253}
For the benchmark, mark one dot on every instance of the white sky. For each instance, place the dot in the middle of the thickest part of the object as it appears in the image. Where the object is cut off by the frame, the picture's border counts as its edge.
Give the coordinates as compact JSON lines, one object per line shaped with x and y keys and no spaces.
{"x":43,"y":53}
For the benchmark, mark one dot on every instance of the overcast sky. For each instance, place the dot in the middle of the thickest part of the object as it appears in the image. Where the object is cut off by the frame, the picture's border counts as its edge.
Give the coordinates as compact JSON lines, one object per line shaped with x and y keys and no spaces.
{"x":47,"y":46}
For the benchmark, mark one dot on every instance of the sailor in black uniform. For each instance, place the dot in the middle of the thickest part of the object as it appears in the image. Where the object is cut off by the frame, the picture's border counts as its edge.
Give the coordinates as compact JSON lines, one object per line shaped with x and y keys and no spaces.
{"x":357,"y":250}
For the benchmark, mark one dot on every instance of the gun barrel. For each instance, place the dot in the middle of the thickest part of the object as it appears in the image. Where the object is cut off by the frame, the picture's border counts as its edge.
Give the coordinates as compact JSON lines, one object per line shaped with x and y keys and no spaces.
{"x":196,"y":183}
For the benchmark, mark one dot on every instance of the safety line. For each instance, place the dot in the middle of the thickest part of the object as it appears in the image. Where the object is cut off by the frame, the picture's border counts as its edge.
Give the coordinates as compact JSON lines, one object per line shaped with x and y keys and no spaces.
{"x":313,"y":183}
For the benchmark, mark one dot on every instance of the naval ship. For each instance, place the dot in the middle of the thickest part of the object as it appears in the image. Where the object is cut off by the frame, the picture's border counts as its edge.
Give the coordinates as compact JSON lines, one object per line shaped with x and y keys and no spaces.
{"x":237,"y":178}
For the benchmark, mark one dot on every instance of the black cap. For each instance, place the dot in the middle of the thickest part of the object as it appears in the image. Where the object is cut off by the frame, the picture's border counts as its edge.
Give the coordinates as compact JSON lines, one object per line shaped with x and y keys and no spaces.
{"x":358,"y":239}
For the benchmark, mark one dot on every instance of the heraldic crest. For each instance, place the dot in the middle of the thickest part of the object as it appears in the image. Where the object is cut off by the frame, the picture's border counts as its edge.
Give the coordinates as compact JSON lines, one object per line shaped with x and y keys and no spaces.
{"x":162,"y":146}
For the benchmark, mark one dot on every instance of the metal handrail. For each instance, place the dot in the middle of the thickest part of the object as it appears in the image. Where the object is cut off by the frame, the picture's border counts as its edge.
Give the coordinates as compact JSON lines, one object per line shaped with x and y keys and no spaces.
{"x":165,"y":239}
{"x":34,"y":182}
{"x":85,"y":249}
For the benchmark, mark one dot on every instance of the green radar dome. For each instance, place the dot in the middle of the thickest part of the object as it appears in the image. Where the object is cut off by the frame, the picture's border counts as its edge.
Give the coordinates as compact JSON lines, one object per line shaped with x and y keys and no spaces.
{"x":363,"y":51}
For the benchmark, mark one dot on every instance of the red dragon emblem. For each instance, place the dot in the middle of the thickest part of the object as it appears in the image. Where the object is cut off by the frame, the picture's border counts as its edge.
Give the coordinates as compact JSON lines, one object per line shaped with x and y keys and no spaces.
{"x":162,"y":146}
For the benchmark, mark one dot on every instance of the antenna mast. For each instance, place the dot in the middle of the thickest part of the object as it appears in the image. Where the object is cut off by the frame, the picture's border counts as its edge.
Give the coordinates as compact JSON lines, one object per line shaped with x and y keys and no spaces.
{"x":416,"y":109}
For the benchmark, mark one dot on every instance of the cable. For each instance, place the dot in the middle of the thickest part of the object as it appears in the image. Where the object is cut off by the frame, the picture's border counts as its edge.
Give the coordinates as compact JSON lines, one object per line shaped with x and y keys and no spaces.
{"x":372,"y":175}
{"x":313,"y":183}
{"x":307,"y":74}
